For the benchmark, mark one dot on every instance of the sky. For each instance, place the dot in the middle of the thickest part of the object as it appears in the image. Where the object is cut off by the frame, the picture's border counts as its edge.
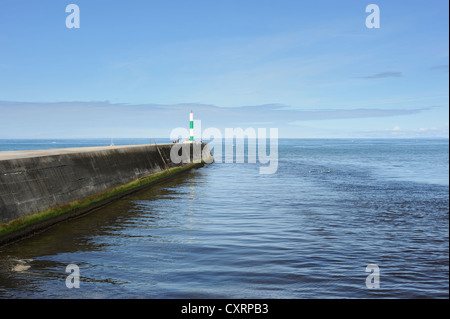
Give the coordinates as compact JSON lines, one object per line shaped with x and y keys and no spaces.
{"x":309,"y":68}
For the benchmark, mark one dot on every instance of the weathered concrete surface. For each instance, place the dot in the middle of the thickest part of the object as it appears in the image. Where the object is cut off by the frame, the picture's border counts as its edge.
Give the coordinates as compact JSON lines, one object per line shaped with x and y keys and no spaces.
{"x":36,"y":181}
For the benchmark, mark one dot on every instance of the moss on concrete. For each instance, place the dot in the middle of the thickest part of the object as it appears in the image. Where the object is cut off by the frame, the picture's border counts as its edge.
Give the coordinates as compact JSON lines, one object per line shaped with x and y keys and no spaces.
{"x":20,"y":224}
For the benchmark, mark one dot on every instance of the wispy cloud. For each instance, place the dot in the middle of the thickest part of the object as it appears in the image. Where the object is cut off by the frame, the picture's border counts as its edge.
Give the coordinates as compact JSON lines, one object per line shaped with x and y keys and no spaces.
{"x":389,"y":74}
{"x":104,"y":119}
{"x":396,"y":132}
{"x":440,"y":67}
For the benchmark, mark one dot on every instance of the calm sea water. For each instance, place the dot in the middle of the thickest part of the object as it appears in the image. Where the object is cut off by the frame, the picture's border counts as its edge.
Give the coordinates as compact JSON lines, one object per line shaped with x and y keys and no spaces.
{"x":225,"y":231}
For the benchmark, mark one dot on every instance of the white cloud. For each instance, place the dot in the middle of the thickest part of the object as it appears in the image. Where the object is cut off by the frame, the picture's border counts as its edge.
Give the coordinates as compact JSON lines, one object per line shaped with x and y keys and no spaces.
{"x":126,"y":120}
{"x":388,"y":74}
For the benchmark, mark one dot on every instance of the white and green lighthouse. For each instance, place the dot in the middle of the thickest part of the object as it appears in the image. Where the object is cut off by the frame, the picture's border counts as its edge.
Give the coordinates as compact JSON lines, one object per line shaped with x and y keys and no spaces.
{"x":191,"y":127}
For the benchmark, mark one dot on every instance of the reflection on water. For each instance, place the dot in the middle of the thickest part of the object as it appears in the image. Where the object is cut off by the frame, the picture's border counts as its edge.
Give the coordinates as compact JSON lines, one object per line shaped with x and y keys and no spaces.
{"x":224,"y":231}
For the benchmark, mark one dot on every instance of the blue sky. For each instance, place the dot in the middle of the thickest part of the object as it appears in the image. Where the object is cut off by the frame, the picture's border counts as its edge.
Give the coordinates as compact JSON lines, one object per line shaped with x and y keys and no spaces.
{"x":309,"y":68}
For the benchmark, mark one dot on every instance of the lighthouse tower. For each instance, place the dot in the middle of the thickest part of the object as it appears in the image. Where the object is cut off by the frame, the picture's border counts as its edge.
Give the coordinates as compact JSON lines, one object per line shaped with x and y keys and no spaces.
{"x":191,"y":127}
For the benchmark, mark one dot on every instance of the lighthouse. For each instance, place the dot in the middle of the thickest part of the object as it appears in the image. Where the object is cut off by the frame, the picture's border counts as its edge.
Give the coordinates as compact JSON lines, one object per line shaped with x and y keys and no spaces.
{"x":191,"y":127}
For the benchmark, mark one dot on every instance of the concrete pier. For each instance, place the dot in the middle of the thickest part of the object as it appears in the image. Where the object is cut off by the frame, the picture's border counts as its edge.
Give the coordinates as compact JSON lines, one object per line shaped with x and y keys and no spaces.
{"x":40,"y":187}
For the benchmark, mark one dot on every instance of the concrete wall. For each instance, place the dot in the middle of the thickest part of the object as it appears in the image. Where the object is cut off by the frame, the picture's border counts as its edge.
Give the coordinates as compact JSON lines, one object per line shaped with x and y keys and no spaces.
{"x":35,"y":181}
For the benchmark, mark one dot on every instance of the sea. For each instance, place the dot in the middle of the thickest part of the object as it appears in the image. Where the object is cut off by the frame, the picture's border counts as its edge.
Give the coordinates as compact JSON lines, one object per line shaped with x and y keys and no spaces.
{"x":340,"y":218}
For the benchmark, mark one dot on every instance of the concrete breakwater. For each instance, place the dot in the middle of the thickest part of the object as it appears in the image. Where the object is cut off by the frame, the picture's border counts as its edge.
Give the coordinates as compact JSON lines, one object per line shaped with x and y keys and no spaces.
{"x":43,"y":187}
